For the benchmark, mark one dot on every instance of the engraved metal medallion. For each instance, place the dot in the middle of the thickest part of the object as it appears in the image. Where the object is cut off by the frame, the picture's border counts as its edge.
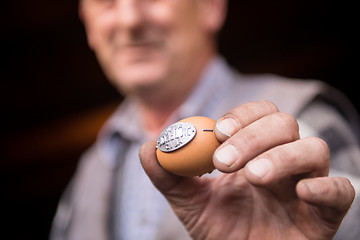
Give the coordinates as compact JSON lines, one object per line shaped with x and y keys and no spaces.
{"x":176,"y":136}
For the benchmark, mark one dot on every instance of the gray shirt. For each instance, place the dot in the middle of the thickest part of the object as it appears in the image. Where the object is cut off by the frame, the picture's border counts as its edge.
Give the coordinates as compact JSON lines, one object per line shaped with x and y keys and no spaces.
{"x":110,"y":196}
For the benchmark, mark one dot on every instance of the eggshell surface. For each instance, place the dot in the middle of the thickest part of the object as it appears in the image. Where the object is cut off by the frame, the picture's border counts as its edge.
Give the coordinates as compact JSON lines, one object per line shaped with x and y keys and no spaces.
{"x":195,"y":157}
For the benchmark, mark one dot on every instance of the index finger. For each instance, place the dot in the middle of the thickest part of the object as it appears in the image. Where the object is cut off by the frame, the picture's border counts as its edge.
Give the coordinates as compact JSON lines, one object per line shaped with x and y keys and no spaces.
{"x":242,"y":116}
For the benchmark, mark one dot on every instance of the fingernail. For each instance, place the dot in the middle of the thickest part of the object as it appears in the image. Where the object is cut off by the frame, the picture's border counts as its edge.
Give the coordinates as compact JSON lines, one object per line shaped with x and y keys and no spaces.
{"x":227,"y":155}
{"x":227,"y":126}
{"x":260,"y":167}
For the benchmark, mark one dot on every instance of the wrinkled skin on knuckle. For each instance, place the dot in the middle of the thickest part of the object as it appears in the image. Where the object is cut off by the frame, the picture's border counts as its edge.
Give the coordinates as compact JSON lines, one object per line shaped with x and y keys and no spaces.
{"x":270,"y":106}
{"x":289,"y":125}
{"x":321,"y":148}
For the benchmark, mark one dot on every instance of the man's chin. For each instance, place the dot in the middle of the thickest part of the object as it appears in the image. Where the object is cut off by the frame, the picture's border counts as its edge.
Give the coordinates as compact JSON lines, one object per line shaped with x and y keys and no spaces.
{"x":139,"y":81}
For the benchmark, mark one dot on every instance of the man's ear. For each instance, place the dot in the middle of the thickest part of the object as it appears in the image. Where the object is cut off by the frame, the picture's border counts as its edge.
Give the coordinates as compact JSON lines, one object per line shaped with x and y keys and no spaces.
{"x":83,"y":19}
{"x":213,"y":13}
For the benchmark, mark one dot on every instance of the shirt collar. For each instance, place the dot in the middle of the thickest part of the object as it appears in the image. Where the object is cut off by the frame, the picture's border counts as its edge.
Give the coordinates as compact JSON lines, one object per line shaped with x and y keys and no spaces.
{"x":211,"y":89}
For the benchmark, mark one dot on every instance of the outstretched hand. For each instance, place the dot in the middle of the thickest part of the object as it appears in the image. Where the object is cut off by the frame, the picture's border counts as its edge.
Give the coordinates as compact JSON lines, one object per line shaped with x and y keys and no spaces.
{"x":274,"y":185}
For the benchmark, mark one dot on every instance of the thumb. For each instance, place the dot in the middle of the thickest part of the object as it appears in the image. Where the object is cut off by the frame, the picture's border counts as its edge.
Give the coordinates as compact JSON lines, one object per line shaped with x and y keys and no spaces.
{"x":163,"y":180}
{"x":177,"y":189}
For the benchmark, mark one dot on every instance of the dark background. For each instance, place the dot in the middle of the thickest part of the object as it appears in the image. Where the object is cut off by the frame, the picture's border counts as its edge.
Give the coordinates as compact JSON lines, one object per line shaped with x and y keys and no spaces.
{"x":54,"y":96}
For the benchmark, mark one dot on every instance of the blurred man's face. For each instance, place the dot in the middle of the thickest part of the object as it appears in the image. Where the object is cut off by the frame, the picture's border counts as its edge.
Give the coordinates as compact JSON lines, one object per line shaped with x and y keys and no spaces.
{"x":145,"y":43}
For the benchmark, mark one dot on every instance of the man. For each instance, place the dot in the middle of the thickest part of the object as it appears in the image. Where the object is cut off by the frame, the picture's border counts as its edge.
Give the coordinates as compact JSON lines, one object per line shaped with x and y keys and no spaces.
{"x":162,"y":55}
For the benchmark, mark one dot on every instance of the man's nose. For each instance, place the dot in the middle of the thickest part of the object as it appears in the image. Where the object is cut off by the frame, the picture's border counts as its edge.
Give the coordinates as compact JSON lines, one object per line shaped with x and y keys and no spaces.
{"x":129,"y":13}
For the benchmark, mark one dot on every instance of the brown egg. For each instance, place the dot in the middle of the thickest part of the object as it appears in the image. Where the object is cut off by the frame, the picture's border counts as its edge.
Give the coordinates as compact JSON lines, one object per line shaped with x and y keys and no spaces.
{"x":186,"y":148}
